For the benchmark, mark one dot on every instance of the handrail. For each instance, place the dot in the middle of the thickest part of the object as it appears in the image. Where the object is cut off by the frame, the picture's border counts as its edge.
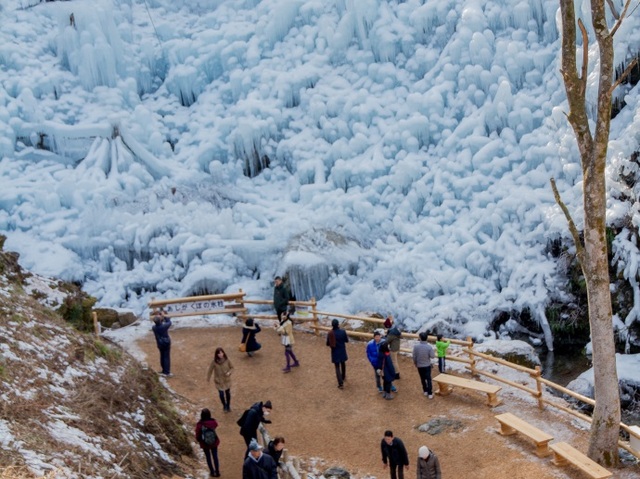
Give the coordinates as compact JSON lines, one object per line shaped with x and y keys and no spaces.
{"x":239,"y":307}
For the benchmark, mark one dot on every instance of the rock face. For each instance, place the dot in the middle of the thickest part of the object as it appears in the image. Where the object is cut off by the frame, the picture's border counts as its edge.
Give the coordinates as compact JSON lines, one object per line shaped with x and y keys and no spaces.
{"x":110,"y":318}
{"x":336,"y":473}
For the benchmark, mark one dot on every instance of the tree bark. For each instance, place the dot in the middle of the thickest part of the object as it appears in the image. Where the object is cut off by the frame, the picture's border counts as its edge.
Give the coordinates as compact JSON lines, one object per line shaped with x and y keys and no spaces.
{"x":603,"y":444}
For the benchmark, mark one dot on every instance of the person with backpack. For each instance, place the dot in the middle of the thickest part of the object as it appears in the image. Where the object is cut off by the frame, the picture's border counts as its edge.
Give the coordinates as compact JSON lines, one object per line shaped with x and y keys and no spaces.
{"x":221,"y":368}
{"x":281,"y":297}
{"x":251,"y":419}
{"x":160,"y":328}
{"x":337,"y":340}
{"x":374,"y":357}
{"x":249,"y":331}
{"x":207,"y":437}
{"x":285,"y":330}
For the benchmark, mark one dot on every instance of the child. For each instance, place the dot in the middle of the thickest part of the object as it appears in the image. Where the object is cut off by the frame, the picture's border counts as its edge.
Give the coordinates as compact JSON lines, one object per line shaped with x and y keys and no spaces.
{"x":441,"y":347}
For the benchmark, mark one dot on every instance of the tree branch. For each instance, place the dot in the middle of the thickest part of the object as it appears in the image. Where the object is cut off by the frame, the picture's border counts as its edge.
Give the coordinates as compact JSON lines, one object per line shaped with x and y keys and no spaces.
{"x":572,"y":226}
{"x":619,"y":20}
{"x":624,"y":75}
{"x":614,"y":12}
{"x":585,"y":56}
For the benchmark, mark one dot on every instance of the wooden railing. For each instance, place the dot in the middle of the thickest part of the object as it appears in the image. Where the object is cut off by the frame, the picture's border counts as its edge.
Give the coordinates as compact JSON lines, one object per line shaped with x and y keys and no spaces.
{"x":236,"y":303}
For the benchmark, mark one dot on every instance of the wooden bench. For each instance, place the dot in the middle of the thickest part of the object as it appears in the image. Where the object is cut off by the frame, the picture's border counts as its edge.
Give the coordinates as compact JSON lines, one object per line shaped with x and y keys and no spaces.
{"x":446,"y":383}
{"x":510,"y":424}
{"x":564,"y":453}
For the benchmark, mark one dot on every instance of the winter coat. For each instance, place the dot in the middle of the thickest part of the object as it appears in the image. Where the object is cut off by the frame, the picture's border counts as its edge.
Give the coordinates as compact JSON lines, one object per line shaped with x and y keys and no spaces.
{"x":281,"y":297}
{"x":286,"y":329}
{"x":423,"y":354}
{"x":161,"y":332}
{"x":271,"y":450}
{"x":393,"y":339}
{"x":249,"y":337}
{"x":442,"y":346}
{"x":211,"y":424}
{"x":373,"y":353}
{"x":337,"y":340}
{"x":388,"y":369}
{"x":395,"y":452}
{"x":429,"y":468}
{"x":221,"y":374}
{"x":253,"y":420}
{"x":264,"y":468}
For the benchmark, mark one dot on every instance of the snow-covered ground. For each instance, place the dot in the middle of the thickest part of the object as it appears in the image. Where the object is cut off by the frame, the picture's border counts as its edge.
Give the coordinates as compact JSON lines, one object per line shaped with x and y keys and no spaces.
{"x":389,"y":155}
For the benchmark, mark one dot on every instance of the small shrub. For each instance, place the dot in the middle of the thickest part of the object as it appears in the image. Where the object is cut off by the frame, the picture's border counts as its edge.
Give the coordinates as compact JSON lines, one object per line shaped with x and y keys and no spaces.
{"x":76,"y":309}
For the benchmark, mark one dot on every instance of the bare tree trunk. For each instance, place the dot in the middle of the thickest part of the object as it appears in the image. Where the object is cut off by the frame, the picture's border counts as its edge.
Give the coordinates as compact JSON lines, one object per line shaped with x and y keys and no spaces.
{"x":603,"y":444}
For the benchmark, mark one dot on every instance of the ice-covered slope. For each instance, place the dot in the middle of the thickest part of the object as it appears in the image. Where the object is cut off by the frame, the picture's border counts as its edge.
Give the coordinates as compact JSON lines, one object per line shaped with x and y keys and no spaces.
{"x":392,"y":156}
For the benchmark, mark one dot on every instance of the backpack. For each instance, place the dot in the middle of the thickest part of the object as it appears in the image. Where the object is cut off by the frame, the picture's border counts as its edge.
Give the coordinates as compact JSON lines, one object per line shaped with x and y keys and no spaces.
{"x":209,"y":436}
{"x":240,"y":422}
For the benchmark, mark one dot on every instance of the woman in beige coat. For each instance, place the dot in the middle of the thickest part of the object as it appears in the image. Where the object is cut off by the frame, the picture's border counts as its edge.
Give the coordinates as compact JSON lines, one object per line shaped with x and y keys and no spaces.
{"x":221,"y":368}
{"x":285,"y":330}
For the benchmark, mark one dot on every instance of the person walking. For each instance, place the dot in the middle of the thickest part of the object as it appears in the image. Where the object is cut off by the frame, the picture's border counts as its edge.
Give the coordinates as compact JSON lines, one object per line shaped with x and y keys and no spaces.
{"x":428,"y":466}
{"x":258,"y":465}
{"x":161,"y":325}
{"x":387,"y":371}
{"x":337,"y":340}
{"x":253,"y":416}
{"x":221,"y":368}
{"x":209,"y":441}
{"x":395,"y":454}
{"x":285,"y":330}
{"x":442,"y":347}
{"x":281,"y":297}
{"x":373,"y":356}
{"x":422,"y":355}
{"x":249,"y":331}
{"x":393,"y":340}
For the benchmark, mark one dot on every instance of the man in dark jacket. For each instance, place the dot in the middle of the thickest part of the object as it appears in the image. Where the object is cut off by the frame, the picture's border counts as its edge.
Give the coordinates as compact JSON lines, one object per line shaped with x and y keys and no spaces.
{"x":255,"y":415}
{"x":394,"y":452}
{"x":393,"y":340}
{"x":337,"y":340}
{"x":161,"y":325}
{"x":281,"y":297}
{"x":258,"y":465}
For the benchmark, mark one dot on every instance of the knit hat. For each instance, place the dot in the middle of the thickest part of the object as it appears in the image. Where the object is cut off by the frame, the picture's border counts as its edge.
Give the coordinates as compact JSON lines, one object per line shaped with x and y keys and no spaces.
{"x":424,"y":452}
{"x":388,"y":322}
{"x":267,"y":404}
{"x":254,"y":446}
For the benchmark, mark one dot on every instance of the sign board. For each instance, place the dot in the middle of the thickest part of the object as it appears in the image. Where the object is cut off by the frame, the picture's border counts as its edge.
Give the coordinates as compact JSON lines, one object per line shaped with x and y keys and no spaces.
{"x":195,"y":307}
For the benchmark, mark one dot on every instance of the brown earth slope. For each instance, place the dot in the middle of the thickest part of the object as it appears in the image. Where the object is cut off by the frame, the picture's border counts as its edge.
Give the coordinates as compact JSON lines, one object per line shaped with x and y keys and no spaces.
{"x":325,"y":426}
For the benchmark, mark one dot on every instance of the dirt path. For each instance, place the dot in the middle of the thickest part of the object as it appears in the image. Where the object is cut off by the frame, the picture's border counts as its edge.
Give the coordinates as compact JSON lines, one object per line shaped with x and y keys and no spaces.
{"x":326,"y":426}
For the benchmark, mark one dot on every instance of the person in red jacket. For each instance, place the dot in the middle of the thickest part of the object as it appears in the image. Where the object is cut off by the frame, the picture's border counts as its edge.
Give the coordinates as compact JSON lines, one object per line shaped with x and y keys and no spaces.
{"x":208,"y":442}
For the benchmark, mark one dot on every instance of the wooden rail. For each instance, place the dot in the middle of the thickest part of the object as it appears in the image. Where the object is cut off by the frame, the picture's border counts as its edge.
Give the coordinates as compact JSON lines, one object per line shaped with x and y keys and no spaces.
{"x":237,"y":305}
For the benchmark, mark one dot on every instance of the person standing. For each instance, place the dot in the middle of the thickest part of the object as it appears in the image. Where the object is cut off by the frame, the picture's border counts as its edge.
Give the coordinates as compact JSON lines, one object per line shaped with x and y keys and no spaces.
{"x":373,"y":356}
{"x":209,"y":441}
{"x":422,"y":355}
{"x":395,"y":454}
{"x":387,"y":371}
{"x":442,"y":347}
{"x":249,"y":331}
{"x":285,"y":330}
{"x":258,"y":465}
{"x":221,"y":368}
{"x":337,"y":340}
{"x":428,"y":465}
{"x":281,"y":297}
{"x":161,"y":325}
{"x":393,"y":340}
{"x":253,"y":416}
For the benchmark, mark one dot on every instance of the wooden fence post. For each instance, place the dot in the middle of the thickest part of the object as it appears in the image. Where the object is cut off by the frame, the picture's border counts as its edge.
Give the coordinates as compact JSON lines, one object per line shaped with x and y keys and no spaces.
{"x":240,"y":301}
{"x":314,"y":312}
{"x":472,"y":363}
{"x":539,"y":387}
